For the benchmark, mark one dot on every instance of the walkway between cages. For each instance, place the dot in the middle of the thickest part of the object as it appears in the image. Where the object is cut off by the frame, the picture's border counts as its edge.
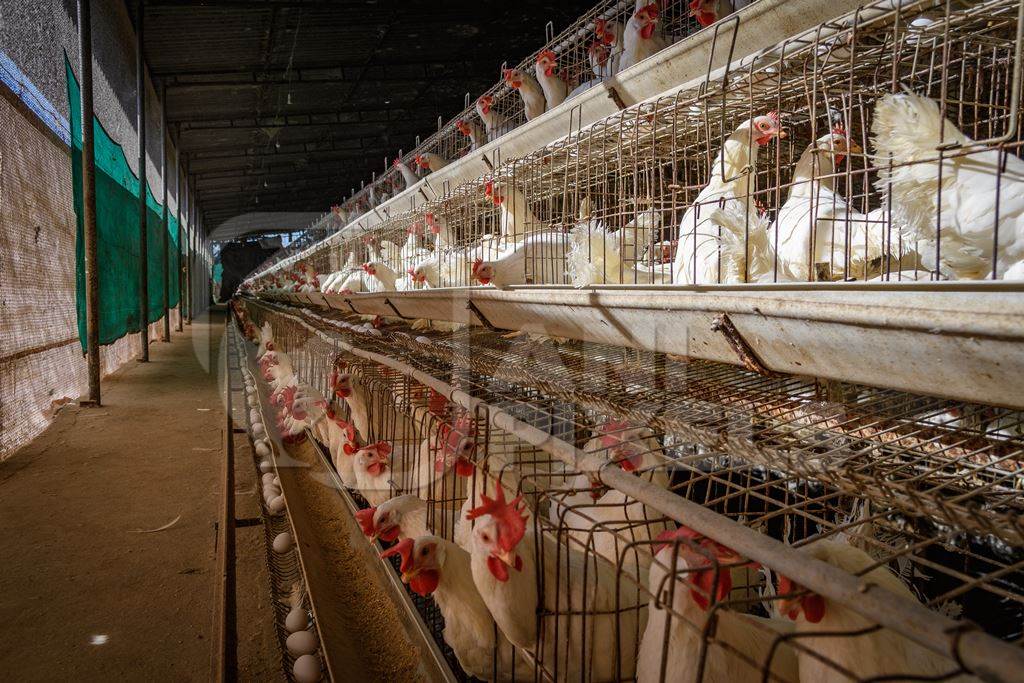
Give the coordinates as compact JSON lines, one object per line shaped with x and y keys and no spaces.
{"x":94,"y":587}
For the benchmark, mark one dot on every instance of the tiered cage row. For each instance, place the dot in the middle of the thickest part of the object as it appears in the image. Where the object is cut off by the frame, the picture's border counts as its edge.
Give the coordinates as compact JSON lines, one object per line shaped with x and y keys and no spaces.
{"x":587,"y":53}
{"x":627,"y":200}
{"x":916,"y":495}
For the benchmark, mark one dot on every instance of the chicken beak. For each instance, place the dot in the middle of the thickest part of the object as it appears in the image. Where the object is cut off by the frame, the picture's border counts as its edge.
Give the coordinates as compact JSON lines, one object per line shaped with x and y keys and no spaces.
{"x":506,"y":556}
{"x":854,"y":148}
{"x":782,"y":135}
{"x":410,"y":575}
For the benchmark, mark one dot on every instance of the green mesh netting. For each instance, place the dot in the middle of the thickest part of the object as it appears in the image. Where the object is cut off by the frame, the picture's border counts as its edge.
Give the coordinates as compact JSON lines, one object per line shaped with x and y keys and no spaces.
{"x":117,"y":228}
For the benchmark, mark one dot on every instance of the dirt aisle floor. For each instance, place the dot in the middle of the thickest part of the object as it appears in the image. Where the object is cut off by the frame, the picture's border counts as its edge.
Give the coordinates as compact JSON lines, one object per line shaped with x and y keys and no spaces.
{"x":83,"y":594}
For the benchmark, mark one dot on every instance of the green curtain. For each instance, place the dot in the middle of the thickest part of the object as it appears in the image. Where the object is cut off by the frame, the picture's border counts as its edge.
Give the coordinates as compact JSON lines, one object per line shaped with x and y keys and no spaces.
{"x":117,"y":227}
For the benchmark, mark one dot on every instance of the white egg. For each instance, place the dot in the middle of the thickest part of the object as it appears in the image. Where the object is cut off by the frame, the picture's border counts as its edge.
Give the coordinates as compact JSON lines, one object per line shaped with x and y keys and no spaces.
{"x":262,"y":449}
{"x":297,"y":620}
{"x":258,"y":429}
{"x":307,"y":669}
{"x":266,"y":466}
{"x":270,"y":493}
{"x":301,"y":643}
{"x":276,"y":482}
{"x":252,"y":402}
{"x":277,"y":505}
{"x":268,"y":478}
{"x":282,"y":544}
{"x":254,"y":416}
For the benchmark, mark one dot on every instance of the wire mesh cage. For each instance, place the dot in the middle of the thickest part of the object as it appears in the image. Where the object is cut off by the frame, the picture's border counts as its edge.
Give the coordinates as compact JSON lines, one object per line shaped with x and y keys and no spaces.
{"x":880,"y":146}
{"x":916,"y":496}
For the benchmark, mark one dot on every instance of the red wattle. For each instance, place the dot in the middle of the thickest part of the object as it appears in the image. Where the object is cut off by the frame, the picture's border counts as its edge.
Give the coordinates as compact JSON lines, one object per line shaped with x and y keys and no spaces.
{"x":499,"y":569}
{"x":814,"y":608}
{"x":425,"y":582}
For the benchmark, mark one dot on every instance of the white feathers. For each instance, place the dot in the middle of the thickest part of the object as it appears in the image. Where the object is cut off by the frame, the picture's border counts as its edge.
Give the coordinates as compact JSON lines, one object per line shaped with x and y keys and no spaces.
{"x":954,"y":218}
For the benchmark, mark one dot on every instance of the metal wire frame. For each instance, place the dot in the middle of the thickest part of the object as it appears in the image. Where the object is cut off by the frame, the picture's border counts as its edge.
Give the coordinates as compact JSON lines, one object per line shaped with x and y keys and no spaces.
{"x":571,"y":47}
{"x":654,"y":158}
{"x":948,"y":568}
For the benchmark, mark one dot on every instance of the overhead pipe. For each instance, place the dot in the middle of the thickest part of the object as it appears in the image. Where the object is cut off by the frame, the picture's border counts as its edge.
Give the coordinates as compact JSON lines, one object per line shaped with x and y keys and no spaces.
{"x":92,"y":282}
{"x":140,"y":106}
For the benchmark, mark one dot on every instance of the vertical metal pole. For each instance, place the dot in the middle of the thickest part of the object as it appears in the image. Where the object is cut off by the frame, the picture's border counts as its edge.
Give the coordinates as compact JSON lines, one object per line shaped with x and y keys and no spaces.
{"x":177,"y":210}
{"x":92,"y":280}
{"x":188,"y":251}
{"x":140,"y":105}
{"x":165,"y":237}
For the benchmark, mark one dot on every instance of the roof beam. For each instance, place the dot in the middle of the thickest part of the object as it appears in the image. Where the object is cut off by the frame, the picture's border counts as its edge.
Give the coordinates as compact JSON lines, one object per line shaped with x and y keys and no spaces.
{"x":308,"y":121}
{"x":384,"y":74}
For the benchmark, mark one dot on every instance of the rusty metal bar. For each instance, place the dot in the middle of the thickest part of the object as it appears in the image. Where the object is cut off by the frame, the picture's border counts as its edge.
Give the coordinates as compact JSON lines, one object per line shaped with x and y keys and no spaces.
{"x":92,"y":280}
{"x":140,"y":107}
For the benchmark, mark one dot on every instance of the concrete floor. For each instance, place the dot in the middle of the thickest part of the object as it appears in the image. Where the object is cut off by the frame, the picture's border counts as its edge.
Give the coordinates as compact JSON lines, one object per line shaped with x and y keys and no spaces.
{"x":89,"y":591}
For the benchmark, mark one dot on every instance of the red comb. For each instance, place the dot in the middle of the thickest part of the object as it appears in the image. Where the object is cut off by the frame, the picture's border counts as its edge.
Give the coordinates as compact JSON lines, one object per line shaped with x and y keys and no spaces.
{"x":704,"y":579}
{"x":403,"y":548}
{"x":774,"y":116}
{"x":477,"y":264}
{"x":547,"y":54}
{"x":365,"y":519}
{"x":367,"y":268}
{"x":509,"y":517}
{"x":839,"y":129}
{"x":462,"y":127}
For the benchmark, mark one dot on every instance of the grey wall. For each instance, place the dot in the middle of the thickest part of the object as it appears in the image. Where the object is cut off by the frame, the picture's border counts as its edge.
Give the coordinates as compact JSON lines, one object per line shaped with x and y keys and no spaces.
{"x":36,"y":33}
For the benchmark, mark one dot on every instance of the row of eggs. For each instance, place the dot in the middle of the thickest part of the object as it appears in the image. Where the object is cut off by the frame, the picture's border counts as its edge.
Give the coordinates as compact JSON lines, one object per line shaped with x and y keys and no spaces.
{"x":302,"y":641}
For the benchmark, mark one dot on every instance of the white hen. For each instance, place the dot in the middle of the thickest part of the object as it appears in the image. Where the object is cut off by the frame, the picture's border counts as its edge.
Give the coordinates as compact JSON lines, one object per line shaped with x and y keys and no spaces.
{"x":956,"y":217}
{"x":435,"y":566}
{"x":816,"y":227}
{"x":731,"y":187}
{"x":514,"y":214}
{"x":537,"y":259}
{"x":550,"y":80}
{"x":677,"y":637}
{"x":642,"y":36}
{"x":529,"y":89}
{"x":879,"y":653}
{"x":592,"y":614}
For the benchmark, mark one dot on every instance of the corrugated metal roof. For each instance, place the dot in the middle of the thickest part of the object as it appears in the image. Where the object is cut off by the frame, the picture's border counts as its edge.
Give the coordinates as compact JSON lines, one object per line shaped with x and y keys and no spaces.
{"x":285,"y":105}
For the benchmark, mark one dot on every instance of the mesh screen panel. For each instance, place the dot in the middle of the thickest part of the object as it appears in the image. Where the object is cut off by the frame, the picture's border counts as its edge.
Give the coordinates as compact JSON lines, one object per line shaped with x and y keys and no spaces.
{"x":117,"y":225}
